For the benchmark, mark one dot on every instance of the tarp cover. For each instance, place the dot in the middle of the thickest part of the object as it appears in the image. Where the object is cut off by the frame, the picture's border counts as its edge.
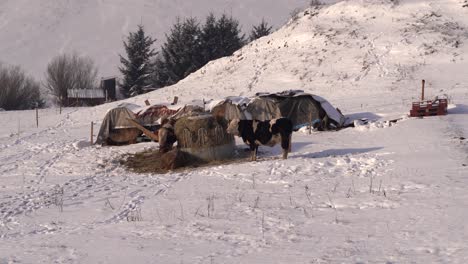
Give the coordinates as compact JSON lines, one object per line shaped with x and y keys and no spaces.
{"x":244,"y":108}
{"x":331,"y":111}
{"x":188,"y":110}
{"x":304,"y":108}
{"x":264,"y":109}
{"x":152,"y":115}
{"x":116,"y":118}
{"x":233,"y":107}
{"x":301,"y":110}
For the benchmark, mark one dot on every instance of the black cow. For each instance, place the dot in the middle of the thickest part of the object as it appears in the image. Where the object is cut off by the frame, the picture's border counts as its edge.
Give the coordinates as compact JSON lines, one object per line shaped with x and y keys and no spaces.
{"x":270,"y":133}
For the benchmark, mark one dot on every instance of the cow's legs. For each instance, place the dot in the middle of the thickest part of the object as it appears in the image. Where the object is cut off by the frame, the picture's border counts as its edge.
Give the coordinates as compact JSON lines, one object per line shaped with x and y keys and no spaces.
{"x":285,"y":153}
{"x":286,"y":145}
{"x":254,"y":153}
{"x":290,"y":144}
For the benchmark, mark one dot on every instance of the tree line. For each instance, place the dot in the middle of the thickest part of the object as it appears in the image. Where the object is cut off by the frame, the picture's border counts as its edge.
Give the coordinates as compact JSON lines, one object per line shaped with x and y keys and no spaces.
{"x":189,"y":45}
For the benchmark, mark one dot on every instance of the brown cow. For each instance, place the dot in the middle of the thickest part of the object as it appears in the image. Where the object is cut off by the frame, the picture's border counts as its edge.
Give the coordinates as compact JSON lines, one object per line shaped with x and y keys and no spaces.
{"x":166,"y":135}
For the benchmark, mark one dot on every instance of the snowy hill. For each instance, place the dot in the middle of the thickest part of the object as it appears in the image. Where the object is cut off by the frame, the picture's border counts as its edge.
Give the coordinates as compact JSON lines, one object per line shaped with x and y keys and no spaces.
{"x":350,"y":49}
{"x":378,"y":193}
{"x":32,"y":32}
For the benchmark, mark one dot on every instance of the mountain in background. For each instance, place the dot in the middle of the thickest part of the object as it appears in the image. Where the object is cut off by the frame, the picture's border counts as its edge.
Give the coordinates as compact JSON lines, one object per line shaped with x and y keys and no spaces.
{"x":32,"y":31}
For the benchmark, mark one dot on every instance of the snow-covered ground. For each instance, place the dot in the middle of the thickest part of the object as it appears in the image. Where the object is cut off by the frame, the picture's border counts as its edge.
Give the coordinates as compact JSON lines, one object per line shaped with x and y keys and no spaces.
{"x":377,"y":193}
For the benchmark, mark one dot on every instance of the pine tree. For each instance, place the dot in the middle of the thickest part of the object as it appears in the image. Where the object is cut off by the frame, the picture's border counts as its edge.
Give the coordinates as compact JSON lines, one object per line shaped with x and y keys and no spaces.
{"x":223,"y":40}
{"x":209,"y":38}
{"x":160,"y":76}
{"x":260,"y":31}
{"x":181,"y":54}
{"x":137,"y":67}
{"x":188,"y":48}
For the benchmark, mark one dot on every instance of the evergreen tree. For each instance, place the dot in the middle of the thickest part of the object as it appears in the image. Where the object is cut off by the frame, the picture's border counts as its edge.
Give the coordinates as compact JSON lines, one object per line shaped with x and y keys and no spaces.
{"x":160,"y":76}
{"x":188,"y":48}
{"x":260,"y":31}
{"x":181,"y":54}
{"x":136,"y":67}
{"x":221,"y":38}
{"x":209,"y":38}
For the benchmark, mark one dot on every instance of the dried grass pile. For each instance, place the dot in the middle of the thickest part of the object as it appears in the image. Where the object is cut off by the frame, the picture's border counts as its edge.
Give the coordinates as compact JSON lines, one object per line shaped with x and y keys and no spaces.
{"x":202,"y":131}
{"x":152,"y":161}
{"x":205,"y":137}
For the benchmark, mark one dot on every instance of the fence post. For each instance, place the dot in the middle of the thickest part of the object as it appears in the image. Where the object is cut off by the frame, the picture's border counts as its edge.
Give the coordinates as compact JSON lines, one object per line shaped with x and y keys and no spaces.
{"x":422,"y":94}
{"x":37,"y":117}
{"x":176,"y":99}
{"x":310,"y":124}
{"x":92,"y":132}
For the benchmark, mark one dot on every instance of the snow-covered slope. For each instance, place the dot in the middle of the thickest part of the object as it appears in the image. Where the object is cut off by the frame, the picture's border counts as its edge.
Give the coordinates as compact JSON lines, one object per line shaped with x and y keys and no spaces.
{"x":377,"y":193}
{"x":347,"y":50}
{"x":32,"y":32}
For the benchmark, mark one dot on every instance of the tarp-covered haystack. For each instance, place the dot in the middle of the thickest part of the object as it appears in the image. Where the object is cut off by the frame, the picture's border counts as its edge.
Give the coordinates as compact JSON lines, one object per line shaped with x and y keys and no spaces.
{"x":264,"y":109}
{"x":152,"y":115}
{"x":233,"y":107}
{"x":205,"y":137}
{"x":188,"y":110}
{"x":116,"y":129}
{"x":304,"y":109}
{"x":245,"y":108}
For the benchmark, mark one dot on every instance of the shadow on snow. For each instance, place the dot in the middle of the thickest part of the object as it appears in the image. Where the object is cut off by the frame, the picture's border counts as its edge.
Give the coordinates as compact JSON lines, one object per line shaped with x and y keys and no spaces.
{"x":337,"y":152}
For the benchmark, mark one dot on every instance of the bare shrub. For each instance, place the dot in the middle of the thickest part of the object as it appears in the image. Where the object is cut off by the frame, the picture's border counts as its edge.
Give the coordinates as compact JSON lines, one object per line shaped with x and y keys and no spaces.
{"x":70,"y":71}
{"x":17,"y":90}
{"x":295,"y":14}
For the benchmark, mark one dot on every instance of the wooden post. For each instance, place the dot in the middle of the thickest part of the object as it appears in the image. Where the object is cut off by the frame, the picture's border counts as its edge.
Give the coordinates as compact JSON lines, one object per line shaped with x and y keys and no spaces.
{"x":37,"y":117}
{"x":176,"y":99}
{"x":310,"y":124}
{"x":60,"y":104}
{"x":422,"y":94}
{"x":92,"y":132}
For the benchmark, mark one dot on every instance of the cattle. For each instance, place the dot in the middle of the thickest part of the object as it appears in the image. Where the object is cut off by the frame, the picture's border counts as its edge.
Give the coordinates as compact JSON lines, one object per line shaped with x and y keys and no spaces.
{"x":270,"y":133}
{"x":166,"y":135}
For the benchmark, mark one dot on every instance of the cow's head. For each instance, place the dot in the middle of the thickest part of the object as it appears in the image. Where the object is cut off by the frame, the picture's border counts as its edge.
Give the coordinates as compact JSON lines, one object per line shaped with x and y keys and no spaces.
{"x":233,"y":127}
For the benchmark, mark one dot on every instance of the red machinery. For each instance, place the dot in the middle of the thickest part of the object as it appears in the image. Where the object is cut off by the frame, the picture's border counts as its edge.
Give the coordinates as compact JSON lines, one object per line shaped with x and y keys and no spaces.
{"x":429,"y":108}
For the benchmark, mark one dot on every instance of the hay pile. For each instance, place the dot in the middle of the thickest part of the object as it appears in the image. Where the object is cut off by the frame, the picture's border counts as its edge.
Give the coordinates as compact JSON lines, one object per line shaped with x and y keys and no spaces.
{"x":202,"y":131}
{"x":152,"y":161}
{"x":202,"y":141}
